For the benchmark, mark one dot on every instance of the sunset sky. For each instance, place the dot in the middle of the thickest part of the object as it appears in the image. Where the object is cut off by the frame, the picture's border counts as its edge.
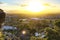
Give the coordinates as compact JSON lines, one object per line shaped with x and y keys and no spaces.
{"x":26,"y":6}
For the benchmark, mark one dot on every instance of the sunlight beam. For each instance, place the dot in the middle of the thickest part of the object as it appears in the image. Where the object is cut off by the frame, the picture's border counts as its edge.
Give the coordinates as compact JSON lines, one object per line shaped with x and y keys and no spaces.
{"x":34,"y":6}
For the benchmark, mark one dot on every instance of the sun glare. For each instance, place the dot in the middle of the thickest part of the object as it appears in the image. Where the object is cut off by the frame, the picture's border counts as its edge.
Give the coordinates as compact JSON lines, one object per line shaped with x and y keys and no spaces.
{"x":35,"y":6}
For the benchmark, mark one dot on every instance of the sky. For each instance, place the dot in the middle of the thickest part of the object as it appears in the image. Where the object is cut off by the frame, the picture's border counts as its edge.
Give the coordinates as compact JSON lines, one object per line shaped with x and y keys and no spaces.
{"x":19,"y":5}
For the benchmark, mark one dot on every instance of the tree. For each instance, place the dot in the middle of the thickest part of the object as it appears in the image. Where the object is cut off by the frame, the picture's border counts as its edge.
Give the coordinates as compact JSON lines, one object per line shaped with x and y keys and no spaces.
{"x":57,"y":24}
{"x":52,"y":34}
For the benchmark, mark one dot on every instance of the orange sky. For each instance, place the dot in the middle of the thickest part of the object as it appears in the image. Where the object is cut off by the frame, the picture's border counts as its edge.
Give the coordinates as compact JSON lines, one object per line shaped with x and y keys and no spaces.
{"x":30,"y":6}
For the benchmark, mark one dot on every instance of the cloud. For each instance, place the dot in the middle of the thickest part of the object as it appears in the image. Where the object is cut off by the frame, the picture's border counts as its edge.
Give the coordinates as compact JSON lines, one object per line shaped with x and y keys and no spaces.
{"x":21,"y":4}
{"x":50,"y":5}
{"x":1,"y":2}
{"x":47,"y":4}
{"x":24,"y":5}
{"x":7,"y":7}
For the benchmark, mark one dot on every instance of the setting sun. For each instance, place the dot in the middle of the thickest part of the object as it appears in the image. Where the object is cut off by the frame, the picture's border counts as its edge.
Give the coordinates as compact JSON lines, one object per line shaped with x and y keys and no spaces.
{"x":35,"y":6}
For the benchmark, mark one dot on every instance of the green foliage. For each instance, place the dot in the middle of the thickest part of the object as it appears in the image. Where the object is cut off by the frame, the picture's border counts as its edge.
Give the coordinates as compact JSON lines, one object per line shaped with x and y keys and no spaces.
{"x":58,"y":24}
{"x":52,"y":34}
{"x":40,"y":25}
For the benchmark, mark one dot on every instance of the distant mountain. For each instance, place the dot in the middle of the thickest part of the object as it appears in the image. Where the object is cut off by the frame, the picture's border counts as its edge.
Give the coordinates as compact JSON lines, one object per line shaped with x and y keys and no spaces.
{"x":52,"y":16}
{"x":45,"y":16}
